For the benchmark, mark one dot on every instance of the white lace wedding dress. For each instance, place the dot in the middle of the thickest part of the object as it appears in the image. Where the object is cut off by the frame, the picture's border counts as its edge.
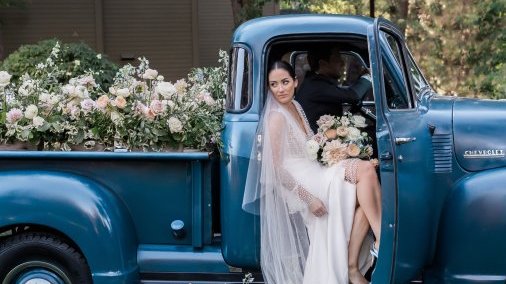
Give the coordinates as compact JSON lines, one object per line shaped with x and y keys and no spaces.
{"x":296,"y":246}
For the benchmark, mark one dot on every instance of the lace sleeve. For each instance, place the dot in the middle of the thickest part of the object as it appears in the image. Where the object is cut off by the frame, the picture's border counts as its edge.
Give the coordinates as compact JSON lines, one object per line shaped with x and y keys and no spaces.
{"x":277,"y":131}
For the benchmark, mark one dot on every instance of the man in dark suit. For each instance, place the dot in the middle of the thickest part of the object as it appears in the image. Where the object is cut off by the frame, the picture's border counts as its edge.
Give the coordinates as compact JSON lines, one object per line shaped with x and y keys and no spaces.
{"x":320,"y":93}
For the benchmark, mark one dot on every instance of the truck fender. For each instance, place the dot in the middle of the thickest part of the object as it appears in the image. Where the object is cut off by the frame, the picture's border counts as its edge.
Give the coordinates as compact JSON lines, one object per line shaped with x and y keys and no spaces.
{"x":84,"y":210}
{"x":473,"y":227}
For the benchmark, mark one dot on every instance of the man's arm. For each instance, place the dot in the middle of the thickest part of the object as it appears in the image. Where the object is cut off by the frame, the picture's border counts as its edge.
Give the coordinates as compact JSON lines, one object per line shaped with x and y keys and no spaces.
{"x":335,"y":94}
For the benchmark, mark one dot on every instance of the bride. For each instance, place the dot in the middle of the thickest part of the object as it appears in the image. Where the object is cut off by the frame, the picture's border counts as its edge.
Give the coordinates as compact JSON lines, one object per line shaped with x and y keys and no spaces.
{"x":313,"y":219}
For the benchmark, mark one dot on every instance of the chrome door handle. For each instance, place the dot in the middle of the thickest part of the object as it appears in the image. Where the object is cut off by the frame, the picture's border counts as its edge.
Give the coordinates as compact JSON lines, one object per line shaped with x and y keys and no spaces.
{"x":404,"y":140}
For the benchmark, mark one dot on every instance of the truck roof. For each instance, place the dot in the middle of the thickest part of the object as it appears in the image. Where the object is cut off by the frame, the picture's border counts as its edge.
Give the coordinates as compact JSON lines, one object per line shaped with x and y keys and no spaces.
{"x":260,"y":30}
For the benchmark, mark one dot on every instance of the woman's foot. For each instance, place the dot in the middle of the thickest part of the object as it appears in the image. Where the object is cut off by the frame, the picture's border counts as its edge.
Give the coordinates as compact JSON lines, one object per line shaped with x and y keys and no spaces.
{"x":355,"y":277}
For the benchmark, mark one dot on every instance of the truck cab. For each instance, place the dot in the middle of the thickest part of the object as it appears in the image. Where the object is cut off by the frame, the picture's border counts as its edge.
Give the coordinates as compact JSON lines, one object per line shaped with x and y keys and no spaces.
{"x":421,"y":141}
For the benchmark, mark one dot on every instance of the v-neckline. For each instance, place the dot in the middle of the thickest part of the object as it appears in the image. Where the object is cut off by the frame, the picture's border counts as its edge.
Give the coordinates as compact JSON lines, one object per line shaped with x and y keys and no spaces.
{"x":305,"y":124}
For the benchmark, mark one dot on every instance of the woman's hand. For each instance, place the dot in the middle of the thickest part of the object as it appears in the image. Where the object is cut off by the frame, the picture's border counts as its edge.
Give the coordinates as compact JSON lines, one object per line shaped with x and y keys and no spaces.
{"x":317,"y":207}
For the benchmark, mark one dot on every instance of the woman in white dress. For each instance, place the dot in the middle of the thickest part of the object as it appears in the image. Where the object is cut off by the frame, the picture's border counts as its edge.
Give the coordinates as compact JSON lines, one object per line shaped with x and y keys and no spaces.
{"x":313,"y":219}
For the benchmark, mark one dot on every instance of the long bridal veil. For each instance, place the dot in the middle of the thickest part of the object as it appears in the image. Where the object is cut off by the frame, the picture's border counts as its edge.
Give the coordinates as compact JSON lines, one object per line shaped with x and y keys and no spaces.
{"x":284,"y":239}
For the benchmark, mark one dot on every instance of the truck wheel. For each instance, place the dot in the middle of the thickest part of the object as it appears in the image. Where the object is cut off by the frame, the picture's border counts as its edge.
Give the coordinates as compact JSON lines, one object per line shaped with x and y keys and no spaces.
{"x":41,"y":258}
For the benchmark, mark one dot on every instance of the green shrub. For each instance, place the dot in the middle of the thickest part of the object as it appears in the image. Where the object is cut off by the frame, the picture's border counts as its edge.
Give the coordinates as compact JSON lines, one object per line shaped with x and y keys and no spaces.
{"x":76,"y":58}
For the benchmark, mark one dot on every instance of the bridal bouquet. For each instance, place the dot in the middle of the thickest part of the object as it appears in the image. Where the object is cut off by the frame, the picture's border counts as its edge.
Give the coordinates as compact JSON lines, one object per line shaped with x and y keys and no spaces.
{"x":339,"y":138}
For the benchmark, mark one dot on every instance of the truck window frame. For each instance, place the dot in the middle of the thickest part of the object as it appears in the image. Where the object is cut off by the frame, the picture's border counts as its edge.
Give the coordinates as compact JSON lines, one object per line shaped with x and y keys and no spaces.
{"x":400,"y":60}
{"x":232,"y":92}
{"x":425,"y":86}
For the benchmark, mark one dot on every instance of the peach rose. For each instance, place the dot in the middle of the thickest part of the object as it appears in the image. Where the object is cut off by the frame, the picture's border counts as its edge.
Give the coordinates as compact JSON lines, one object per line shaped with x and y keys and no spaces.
{"x":342,"y":131}
{"x":353,"y":150}
{"x":102,"y":101}
{"x":120,"y":102}
{"x":331,"y":134}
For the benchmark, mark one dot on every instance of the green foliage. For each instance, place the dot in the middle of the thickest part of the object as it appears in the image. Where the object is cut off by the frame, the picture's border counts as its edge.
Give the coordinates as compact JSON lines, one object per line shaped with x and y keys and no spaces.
{"x":460,"y":45}
{"x":325,"y":6}
{"x":75,"y":59}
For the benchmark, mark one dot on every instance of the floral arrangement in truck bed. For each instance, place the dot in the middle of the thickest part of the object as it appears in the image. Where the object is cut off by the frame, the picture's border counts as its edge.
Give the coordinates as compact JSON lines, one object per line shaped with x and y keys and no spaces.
{"x":139,"y":112}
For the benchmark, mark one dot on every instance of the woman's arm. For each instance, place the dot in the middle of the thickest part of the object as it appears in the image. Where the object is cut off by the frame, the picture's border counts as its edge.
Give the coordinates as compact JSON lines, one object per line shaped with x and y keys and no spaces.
{"x":277,"y":131}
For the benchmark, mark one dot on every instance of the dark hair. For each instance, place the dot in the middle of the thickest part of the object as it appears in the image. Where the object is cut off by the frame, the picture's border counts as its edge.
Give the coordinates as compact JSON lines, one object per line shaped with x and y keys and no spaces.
{"x":281,"y":64}
{"x":320,"y":52}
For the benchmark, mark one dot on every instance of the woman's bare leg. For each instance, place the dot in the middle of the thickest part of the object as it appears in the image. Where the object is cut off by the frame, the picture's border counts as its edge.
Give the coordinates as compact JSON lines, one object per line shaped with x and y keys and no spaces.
{"x":369,"y":196}
{"x":358,"y":233}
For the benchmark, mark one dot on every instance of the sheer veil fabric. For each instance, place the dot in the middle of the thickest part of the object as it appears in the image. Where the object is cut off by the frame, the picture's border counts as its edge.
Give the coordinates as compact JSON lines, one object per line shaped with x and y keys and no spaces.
{"x":279,"y":174}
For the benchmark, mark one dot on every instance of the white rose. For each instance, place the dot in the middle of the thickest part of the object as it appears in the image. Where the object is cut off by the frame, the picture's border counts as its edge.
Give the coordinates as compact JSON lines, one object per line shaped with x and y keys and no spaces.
{"x":160,"y":78}
{"x":44,"y":97}
{"x":124,"y":92}
{"x":165,"y":89}
{"x":354,"y":134}
{"x":31,"y":111}
{"x":112,"y":90}
{"x":312,"y":148}
{"x":5,"y":78}
{"x":150,"y":74}
{"x":358,"y":121}
{"x":175,"y":125}
{"x":38,"y":121}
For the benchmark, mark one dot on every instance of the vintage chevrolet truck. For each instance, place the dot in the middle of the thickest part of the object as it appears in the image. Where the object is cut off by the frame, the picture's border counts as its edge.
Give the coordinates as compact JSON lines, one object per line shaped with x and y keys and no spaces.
{"x":108,"y":217}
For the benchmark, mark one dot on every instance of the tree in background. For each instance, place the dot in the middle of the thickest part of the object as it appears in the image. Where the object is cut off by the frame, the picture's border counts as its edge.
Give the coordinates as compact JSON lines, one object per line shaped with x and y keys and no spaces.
{"x":460,"y":44}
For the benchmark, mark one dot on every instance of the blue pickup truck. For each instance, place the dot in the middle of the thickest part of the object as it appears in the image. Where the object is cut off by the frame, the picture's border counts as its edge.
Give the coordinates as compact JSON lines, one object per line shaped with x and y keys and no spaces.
{"x":106,"y":217}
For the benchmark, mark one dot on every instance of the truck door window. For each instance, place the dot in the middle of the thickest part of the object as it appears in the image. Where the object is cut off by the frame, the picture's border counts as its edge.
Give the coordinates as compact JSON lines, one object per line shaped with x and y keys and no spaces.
{"x":397,"y":94}
{"x":238,"y":93}
{"x":417,"y":80}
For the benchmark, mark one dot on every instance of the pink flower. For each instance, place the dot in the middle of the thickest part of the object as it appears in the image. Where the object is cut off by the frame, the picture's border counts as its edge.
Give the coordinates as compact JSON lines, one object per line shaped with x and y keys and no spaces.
{"x":102,"y":101}
{"x":14,"y":115}
{"x":87,"y":105}
{"x":148,"y":113}
{"x":120,"y":102}
{"x":157,"y":106}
